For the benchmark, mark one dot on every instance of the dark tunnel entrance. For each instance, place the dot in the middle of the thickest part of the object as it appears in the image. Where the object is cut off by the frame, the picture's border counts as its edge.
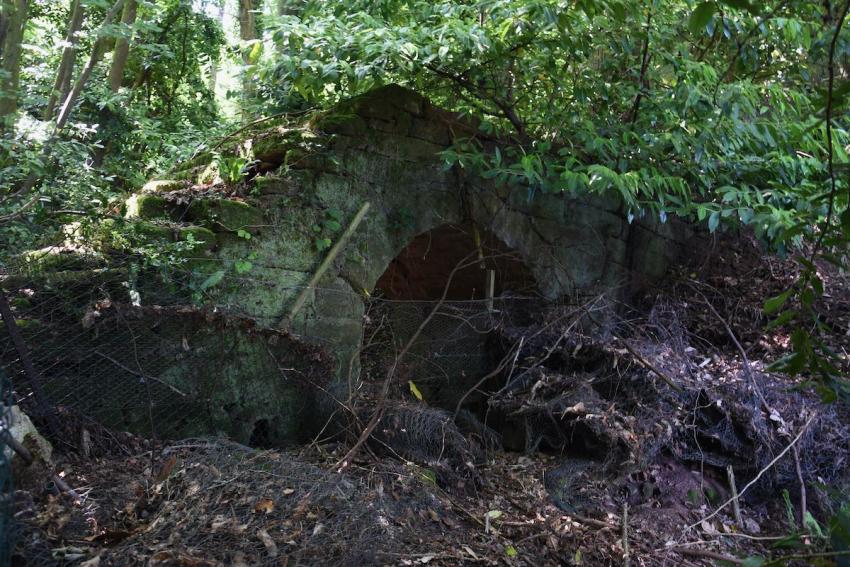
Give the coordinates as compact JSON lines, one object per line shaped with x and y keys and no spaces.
{"x":464,"y":340}
{"x":422,"y":269}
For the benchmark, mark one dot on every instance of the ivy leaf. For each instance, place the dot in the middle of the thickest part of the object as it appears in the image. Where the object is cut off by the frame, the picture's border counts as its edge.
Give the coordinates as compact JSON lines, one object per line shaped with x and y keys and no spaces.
{"x":701,"y":16}
{"x":256,"y":51}
{"x":414,"y":390}
{"x":774,"y":304}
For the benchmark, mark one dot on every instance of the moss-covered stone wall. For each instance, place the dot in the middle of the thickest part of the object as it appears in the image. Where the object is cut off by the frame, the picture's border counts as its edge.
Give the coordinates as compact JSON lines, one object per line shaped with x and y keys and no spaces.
{"x":265,"y":207}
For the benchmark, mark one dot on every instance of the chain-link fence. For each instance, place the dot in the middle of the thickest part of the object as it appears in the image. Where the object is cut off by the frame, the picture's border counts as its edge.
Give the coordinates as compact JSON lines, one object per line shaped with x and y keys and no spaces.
{"x":456,"y":342}
{"x":132,"y":352}
{"x":128,"y":350}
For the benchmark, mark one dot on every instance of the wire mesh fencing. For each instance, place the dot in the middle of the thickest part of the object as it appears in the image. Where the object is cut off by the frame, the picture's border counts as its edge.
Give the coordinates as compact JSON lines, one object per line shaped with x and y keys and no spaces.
{"x":454,"y":343}
{"x":129,"y":350}
{"x":133,"y":351}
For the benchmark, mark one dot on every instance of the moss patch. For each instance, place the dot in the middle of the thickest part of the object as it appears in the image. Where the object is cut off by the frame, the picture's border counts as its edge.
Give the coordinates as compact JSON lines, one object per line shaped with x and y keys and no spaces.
{"x":223,"y":215}
{"x":163,"y":186}
{"x":60,"y":258}
{"x":146,"y":206}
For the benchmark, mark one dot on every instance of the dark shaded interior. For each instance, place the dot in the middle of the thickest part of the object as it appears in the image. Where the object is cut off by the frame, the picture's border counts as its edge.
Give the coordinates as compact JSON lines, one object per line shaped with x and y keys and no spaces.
{"x":421,"y":270}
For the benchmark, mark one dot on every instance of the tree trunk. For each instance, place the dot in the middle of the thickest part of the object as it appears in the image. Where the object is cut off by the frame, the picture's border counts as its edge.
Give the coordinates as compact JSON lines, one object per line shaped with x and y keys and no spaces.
{"x":122,"y":48}
{"x":247,"y":33}
{"x":62,"y":85}
{"x":94,"y":58}
{"x":120,"y":53}
{"x":64,"y":113}
{"x":14,"y":22}
{"x":214,"y":63}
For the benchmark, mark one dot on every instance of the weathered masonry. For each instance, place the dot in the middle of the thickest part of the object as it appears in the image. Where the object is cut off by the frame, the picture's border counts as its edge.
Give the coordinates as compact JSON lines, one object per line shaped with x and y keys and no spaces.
{"x":263,"y":238}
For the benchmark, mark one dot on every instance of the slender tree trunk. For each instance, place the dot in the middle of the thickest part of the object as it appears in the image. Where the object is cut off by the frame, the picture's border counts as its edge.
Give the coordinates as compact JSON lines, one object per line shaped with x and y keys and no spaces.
{"x":247,"y":33}
{"x":214,"y":63}
{"x":95,"y":57}
{"x":143,"y":74}
{"x":120,"y":53}
{"x":14,"y":22}
{"x":122,"y":47}
{"x":64,"y":113}
{"x":62,"y":85}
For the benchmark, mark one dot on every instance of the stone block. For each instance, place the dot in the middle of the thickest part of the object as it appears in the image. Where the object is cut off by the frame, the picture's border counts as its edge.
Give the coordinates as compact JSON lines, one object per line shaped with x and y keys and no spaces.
{"x":147,"y":206}
{"x":224,"y":215}
{"x":163,"y":186}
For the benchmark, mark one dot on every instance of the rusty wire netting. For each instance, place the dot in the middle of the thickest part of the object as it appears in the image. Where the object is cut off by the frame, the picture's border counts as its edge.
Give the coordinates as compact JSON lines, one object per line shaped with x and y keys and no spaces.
{"x":106,"y":352}
{"x":456,"y":345}
{"x":130,"y":351}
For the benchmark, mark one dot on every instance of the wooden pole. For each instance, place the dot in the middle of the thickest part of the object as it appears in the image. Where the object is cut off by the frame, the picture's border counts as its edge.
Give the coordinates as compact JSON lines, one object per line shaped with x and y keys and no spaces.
{"x":736,"y":507}
{"x":326,"y":263}
{"x":491,"y":288}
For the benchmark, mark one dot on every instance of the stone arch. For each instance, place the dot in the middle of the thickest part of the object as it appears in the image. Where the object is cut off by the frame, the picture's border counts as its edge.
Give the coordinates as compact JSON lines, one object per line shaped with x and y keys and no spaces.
{"x":443,"y":275}
{"x":384,"y":148}
{"x":422,"y":269}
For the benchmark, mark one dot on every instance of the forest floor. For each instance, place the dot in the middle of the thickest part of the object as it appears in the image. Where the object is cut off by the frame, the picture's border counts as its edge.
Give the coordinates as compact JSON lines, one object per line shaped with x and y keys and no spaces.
{"x":621,"y":467}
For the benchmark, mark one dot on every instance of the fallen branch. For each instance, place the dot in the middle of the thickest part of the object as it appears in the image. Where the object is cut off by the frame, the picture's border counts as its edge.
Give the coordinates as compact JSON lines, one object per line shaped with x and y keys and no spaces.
{"x":345,"y":461}
{"x":748,"y":369}
{"x":323,"y":267}
{"x":15,"y":445}
{"x":66,"y":488}
{"x":693,"y":552}
{"x":802,"y":481}
{"x":647,"y":364}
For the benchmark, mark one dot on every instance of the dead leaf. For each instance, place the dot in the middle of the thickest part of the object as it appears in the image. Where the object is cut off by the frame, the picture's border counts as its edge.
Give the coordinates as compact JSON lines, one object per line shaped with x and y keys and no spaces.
{"x":709,"y":528}
{"x":167,"y":467}
{"x":288,"y":491}
{"x":264,"y":506}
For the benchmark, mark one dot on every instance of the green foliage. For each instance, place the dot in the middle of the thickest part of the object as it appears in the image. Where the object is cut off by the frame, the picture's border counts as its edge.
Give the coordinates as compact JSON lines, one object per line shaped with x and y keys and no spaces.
{"x":231,"y":169}
{"x":712,"y":111}
{"x":325,"y":229}
{"x":677,"y":135}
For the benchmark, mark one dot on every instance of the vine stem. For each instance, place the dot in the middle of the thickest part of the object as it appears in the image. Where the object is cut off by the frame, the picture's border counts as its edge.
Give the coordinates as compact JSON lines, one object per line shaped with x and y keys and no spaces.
{"x":829,"y":143}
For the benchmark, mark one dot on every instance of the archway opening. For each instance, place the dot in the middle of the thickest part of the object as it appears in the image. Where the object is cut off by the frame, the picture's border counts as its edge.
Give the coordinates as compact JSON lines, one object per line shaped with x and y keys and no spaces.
{"x":454,"y":342}
{"x":487,"y":266}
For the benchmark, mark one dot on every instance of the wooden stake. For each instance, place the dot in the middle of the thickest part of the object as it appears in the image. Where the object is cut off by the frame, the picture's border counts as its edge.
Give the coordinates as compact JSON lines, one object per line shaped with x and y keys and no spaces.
{"x":326,"y":263}
{"x":736,"y":505}
{"x":491,"y":288}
